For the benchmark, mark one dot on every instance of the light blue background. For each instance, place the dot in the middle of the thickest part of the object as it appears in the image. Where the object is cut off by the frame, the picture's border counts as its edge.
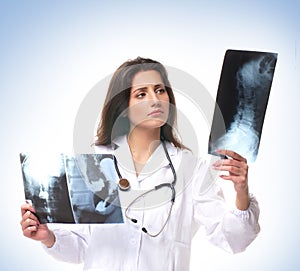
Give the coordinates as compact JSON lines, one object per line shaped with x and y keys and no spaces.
{"x":53,"y":52}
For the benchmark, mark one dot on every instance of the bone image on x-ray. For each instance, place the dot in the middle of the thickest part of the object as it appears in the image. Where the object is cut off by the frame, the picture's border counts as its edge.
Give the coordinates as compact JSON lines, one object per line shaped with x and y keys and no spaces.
{"x":253,"y":81}
{"x":66,"y":188}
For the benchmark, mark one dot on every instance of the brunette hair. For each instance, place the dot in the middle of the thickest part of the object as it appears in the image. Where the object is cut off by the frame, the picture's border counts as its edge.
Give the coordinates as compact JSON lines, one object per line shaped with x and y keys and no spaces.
{"x":113,"y":123}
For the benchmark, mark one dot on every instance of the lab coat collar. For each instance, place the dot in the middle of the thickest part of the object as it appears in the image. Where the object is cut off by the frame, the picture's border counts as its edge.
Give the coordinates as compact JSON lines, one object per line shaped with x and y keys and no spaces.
{"x":157,"y":160}
{"x":121,"y":141}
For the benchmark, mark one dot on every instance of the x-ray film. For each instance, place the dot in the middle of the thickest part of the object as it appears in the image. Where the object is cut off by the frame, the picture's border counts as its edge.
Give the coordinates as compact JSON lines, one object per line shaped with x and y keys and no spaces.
{"x":78,"y":188}
{"x":241,"y":102}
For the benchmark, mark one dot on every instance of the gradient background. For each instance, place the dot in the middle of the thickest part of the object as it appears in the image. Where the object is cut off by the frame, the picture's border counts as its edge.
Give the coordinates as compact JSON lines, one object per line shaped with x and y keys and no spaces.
{"x":53,"y":52}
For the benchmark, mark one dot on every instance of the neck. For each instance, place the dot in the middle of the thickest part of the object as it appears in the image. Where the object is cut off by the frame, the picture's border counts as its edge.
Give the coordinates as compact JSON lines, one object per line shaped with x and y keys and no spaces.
{"x":142,"y":144}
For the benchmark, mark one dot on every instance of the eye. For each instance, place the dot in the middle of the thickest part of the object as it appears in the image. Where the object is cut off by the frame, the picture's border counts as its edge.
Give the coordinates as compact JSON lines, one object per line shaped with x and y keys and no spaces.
{"x":140,"y":95}
{"x":160,"y":90}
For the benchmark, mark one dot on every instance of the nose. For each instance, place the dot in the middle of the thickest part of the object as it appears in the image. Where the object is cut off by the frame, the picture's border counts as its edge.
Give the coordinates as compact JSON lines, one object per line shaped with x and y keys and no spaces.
{"x":155,"y":99}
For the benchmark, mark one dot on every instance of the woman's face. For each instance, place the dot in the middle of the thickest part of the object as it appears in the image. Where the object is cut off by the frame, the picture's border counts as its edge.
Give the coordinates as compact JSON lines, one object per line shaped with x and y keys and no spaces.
{"x":149,"y":101}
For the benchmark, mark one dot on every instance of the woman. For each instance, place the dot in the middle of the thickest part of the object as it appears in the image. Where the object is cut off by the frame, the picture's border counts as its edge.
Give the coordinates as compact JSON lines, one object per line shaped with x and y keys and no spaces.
{"x":137,"y":126}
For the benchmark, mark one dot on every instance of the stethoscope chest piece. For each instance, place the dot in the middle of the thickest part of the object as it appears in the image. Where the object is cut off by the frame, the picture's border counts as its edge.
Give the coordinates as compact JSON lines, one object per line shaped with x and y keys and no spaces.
{"x":124,"y":184}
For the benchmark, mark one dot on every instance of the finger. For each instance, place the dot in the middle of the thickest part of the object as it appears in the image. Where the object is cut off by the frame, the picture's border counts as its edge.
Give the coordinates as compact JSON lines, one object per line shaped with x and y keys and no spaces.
{"x":25,"y":216}
{"x":232,"y":154}
{"x":29,"y":223}
{"x":235,"y":179}
{"x":28,"y":215}
{"x":231,"y":163}
{"x":26,"y":207}
{"x":30,"y":231}
{"x":232,"y":170}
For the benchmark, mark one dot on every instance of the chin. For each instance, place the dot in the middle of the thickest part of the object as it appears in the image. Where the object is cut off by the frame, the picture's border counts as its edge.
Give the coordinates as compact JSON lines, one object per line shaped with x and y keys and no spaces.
{"x":152,"y":124}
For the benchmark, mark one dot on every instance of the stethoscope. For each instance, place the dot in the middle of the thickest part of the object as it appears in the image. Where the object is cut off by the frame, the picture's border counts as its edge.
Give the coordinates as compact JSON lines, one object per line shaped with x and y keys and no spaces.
{"x":124,"y":185}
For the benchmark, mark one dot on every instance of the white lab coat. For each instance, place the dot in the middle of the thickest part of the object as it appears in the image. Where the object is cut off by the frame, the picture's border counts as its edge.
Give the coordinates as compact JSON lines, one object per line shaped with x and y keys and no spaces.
{"x":198,"y":201}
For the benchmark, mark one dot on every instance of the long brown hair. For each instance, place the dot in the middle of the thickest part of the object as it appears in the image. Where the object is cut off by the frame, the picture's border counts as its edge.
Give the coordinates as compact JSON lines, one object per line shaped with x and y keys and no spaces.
{"x":113,"y":123}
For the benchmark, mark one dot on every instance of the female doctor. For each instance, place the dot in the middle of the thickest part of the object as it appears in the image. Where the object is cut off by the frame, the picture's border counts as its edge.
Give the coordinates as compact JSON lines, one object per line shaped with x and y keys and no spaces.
{"x":166,"y":193}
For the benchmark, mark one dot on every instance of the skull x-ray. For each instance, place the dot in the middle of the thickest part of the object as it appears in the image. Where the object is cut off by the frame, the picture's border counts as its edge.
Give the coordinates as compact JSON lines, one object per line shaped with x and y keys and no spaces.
{"x":72,"y":188}
{"x":241,"y":102}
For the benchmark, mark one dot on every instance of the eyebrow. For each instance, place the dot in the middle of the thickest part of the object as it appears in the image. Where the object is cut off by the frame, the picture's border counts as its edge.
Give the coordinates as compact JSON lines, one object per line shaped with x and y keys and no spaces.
{"x":145,"y":88}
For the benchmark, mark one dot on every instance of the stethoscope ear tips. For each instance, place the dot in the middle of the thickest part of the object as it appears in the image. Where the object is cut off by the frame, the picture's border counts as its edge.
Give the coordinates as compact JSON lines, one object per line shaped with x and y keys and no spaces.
{"x":124,"y":184}
{"x":144,"y":230}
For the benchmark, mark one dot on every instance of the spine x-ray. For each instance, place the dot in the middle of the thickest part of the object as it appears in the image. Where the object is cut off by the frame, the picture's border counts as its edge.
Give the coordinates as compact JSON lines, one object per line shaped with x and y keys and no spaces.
{"x":241,"y":102}
{"x":72,"y":188}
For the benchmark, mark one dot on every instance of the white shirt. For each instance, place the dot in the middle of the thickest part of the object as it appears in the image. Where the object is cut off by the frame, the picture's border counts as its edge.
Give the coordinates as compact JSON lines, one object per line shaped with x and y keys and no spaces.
{"x":198,"y":201}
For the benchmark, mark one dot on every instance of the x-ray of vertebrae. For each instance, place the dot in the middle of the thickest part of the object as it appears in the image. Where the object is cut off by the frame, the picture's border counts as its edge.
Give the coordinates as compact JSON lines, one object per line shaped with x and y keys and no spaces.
{"x":242,"y":98}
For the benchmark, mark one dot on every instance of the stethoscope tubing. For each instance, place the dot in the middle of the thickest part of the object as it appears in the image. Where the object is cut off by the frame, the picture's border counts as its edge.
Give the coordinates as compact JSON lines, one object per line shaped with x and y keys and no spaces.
{"x":157,"y":187}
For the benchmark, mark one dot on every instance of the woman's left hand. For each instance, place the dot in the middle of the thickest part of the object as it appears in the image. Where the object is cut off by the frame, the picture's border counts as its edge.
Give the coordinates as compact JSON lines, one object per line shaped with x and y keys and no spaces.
{"x":237,"y":168}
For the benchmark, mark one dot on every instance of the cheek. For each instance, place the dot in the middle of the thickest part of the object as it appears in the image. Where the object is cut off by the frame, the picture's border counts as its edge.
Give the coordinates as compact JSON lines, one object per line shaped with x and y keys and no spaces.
{"x":166,"y":107}
{"x":136,"y":113}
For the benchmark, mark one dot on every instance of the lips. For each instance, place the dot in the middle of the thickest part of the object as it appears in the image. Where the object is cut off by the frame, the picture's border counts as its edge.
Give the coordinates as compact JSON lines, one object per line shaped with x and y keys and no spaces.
{"x":155,"y":113}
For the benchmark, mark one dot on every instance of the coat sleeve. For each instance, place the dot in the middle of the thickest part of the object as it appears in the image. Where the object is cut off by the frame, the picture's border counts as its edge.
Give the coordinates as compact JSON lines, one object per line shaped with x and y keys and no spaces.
{"x":230,"y":229}
{"x":71,"y":243}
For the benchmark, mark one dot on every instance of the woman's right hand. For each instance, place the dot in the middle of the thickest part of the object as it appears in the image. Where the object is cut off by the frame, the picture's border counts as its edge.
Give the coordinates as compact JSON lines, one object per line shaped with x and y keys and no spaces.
{"x":32,"y":228}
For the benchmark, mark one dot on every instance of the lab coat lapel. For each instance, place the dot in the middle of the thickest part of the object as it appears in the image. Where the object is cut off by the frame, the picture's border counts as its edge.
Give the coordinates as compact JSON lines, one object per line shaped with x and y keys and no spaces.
{"x":124,"y":158}
{"x":156,"y":161}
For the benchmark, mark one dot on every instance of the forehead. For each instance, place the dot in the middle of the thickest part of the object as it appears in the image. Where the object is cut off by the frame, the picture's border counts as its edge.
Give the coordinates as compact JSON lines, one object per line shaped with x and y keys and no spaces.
{"x":147,"y":77}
